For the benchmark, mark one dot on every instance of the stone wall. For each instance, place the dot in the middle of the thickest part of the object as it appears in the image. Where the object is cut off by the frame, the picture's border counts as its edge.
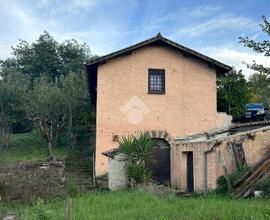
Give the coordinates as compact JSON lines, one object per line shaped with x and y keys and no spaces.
{"x":118,"y":172}
{"x":28,"y":181}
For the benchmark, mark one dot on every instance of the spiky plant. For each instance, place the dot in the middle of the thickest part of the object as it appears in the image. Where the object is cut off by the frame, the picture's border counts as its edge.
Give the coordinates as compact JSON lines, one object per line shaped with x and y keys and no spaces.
{"x":143,"y":147}
{"x":137,"y":150}
{"x":126,"y":145}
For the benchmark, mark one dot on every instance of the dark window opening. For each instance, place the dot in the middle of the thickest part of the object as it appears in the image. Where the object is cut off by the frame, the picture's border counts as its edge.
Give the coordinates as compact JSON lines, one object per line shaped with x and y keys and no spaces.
{"x":156,"y":81}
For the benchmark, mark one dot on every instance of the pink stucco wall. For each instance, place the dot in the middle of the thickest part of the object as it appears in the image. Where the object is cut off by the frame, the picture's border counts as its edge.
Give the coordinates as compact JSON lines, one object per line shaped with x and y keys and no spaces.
{"x":187,"y":107}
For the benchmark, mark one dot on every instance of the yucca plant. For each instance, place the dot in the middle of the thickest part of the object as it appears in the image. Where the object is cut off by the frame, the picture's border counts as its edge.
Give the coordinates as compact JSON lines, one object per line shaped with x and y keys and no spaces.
{"x":138,"y":173}
{"x":126,"y":144}
{"x":143,"y":147}
{"x":138,"y":150}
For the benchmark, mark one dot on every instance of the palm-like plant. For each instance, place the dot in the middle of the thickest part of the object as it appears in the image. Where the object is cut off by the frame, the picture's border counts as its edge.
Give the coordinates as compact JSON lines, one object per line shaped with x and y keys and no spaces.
{"x":143,"y":147}
{"x":126,"y":144}
{"x":137,"y":150}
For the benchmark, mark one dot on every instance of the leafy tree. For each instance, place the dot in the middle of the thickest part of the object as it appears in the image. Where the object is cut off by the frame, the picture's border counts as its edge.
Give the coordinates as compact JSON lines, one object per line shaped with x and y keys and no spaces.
{"x":259,"y":47}
{"x":48,"y":57}
{"x":232,"y":93}
{"x":76,"y":97}
{"x":259,"y":84}
{"x":46,"y":106}
{"x":13,"y":87}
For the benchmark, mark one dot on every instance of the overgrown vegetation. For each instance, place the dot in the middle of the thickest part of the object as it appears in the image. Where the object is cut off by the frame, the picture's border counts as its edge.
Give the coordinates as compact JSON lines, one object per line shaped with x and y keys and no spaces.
{"x":222,"y":186}
{"x":141,"y":205}
{"x":264,"y":186}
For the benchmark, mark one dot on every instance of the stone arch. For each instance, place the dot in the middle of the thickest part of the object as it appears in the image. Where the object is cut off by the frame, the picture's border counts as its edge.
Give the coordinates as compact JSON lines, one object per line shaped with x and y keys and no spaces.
{"x":161,"y":135}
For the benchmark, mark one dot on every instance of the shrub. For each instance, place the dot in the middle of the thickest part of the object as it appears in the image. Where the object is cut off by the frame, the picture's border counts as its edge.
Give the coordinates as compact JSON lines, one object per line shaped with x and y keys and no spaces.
{"x":40,"y":210}
{"x":222,"y":187}
{"x":236,"y":175}
{"x":137,"y":151}
{"x":264,"y":186}
{"x":139,"y":173}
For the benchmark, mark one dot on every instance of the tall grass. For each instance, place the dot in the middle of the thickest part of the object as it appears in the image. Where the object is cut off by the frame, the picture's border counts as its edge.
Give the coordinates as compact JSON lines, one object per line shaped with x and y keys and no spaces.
{"x":137,"y":205}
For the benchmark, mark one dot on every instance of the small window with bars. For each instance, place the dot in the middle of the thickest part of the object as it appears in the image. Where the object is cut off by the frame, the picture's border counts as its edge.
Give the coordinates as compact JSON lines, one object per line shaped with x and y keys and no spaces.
{"x":156,"y":81}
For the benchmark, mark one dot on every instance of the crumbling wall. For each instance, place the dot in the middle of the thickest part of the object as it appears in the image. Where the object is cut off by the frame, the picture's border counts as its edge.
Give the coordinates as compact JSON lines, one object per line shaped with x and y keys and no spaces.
{"x":254,"y":143}
{"x":27,"y":181}
{"x":179,"y":165}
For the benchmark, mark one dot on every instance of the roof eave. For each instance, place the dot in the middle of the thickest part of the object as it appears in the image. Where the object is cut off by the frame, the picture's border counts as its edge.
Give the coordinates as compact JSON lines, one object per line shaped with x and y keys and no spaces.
{"x":223,"y":68}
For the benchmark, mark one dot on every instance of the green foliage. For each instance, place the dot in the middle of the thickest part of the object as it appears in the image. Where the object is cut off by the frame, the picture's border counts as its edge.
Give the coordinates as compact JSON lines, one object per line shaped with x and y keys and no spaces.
{"x":13,"y":87}
{"x":236,"y":175}
{"x":138,"y":173}
{"x":232,"y":93}
{"x":43,"y":63}
{"x":40,"y":210}
{"x":29,"y":147}
{"x":141,"y":205}
{"x":259,"y":84}
{"x":48,"y":57}
{"x":264,"y":186}
{"x":126,"y":144}
{"x":45,"y":102}
{"x":262,"y":47}
{"x":72,"y":187}
{"x":222,"y":187}
{"x":137,"y":150}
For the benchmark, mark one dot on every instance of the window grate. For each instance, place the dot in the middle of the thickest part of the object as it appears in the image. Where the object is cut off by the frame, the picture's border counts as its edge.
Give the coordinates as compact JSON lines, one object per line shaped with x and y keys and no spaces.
{"x":156,"y":81}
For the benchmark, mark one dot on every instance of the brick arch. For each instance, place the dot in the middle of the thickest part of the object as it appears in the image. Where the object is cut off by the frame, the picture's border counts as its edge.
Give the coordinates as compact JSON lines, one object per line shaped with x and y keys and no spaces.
{"x":160,"y":134}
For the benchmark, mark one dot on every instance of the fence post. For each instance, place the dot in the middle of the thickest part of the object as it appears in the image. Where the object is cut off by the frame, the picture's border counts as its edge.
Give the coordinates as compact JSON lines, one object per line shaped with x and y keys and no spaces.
{"x":69,"y":209}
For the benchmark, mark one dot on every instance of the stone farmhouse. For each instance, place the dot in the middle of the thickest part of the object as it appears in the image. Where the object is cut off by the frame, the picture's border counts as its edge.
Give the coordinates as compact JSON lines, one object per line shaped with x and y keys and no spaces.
{"x":156,"y":85}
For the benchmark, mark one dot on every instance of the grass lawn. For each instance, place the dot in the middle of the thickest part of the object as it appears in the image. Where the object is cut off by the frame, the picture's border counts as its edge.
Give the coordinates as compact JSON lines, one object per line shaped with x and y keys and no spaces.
{"x":28,"y":147}
{"x":137,"y":205}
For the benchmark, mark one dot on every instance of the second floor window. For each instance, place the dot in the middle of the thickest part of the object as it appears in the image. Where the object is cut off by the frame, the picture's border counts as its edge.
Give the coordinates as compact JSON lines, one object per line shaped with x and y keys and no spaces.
{"x":156,"y":81}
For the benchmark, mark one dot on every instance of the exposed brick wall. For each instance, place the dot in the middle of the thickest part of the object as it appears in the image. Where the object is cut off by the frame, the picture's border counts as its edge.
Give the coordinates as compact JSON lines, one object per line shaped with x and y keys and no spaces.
{"x":255,"y":145}
{"x":187,"y":107}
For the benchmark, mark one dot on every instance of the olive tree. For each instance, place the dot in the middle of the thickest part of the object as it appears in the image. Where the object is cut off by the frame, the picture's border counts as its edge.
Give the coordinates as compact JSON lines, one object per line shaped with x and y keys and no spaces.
{"x":45,"y":105}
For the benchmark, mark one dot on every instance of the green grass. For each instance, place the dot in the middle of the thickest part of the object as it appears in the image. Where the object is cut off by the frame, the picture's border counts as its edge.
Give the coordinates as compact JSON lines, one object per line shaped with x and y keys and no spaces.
{"x":136,"y":205}
{"x":28,"y":147}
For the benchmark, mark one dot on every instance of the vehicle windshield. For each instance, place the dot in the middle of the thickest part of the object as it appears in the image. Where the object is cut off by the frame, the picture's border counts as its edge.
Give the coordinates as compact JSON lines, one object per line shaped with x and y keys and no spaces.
{"x":254,"y":106}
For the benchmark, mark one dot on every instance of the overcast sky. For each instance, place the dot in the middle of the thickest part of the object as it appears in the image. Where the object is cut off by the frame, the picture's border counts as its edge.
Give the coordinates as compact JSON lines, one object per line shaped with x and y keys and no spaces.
{"x":211,"y":27}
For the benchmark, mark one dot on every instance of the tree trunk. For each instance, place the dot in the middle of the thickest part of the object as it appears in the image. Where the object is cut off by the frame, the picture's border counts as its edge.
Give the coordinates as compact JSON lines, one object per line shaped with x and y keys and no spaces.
{"x":70,"y":133}
{"x":4,"y":133}
{"x":50,"y":153}
{"x":58,"y":139}
{"x":45,"y":129}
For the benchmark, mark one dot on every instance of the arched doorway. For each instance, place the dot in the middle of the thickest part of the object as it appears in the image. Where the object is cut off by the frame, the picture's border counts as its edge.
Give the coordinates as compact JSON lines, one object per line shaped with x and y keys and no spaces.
{"x":160,"y":164}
